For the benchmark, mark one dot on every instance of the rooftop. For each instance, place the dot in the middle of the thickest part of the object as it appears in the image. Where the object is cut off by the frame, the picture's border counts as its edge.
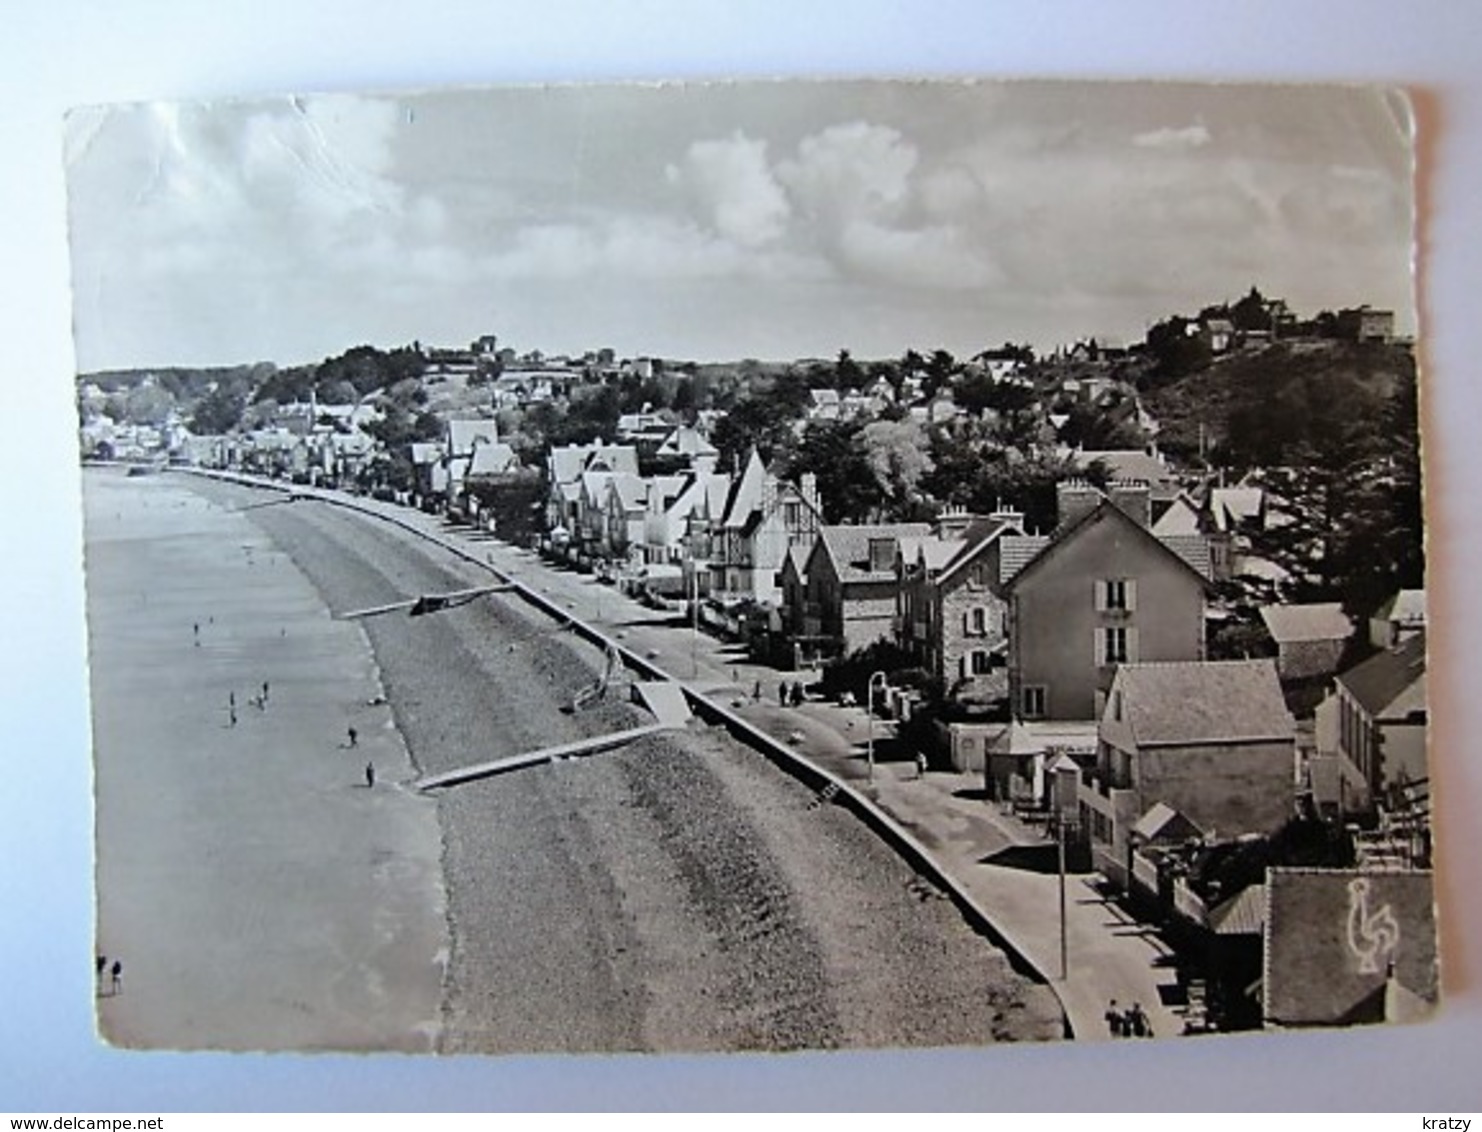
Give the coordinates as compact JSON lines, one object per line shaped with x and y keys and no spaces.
{"x":1331,"y":936}
{"x":1324,"y":621}
{"x":1201,"y":701}
{"x":1390,"y":682}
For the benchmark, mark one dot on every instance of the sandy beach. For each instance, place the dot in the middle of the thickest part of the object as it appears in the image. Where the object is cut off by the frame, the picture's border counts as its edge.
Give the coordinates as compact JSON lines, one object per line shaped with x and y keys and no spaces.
{"x":677,"y":894}
{"x":258,"y":894}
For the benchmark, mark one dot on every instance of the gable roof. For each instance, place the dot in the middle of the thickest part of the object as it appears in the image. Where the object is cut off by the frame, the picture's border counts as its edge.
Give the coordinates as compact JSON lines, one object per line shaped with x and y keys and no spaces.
{"x":1242,"y":914}
{"x":1201,"y":701}
{"x":980,"y":534}
{"x":631,"y":491}
{"x":1017,"y":551}
{"x":848,"y":547}
{"x":1163,"y":822}
{"x":1132,"y":464}
{"x":1181,"y":518}
{"x":1391,"y":682}
{"x":1193,"y":549}
{"x":931,"y":551}
{"x":746,"y":492}
{"x":687,"y":441}
{"x":463,"y":433}
{"x":1407,"y":607}
{"x":1105,"y":511}
{"x":492,"y":459}
{"x":1322,"y":621}
{"x":1229,"y":506}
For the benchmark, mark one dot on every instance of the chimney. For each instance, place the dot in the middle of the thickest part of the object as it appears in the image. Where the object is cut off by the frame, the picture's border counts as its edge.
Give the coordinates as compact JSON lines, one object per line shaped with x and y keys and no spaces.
{"x":953,"y":522}
{"x":1075,"y":499}
{"x":808,"y":485}
{"x":1012,"y":516}
{"x":1134,"y":499}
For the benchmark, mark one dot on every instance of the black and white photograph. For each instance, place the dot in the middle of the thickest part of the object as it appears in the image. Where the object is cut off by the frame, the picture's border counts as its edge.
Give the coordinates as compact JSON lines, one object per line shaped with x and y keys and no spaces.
{"x":754,"y":566}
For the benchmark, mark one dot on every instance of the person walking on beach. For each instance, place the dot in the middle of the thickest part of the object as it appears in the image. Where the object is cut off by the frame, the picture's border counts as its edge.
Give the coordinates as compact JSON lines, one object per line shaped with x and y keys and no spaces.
{"x":353,"y":734}
{"x":231,"y":713}
{"x":264,"y":693}
{"x":117,"y":973}
{"x":370,"y":775}
{"x":195,"y":630}
{"x":102,"y":966}
{"x":1114,"y":1023}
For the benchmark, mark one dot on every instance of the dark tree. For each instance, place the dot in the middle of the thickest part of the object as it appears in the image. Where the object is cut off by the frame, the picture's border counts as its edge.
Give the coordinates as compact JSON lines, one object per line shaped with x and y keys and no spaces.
{"x":848,"y":489}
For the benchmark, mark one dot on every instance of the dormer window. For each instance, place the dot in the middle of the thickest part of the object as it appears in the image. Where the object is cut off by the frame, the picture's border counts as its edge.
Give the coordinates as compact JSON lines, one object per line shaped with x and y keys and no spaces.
{"x":882,"y":555}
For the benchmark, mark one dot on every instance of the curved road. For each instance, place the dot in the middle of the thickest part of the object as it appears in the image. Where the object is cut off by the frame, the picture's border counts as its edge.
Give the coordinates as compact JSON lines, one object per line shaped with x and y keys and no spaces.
{"x":678,"y":894}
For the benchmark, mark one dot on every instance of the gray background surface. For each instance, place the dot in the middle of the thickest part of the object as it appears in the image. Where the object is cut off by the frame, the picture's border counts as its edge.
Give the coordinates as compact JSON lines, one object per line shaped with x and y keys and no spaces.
{"x":74,"y":52}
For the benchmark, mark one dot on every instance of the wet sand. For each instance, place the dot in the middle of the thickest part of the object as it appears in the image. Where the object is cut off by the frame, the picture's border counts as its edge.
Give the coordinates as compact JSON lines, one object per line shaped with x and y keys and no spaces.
{"x":257,"y":892}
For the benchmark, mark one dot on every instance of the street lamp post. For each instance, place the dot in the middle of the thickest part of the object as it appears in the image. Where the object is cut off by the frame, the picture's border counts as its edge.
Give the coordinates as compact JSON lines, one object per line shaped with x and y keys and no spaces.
{"x":870,"y":720}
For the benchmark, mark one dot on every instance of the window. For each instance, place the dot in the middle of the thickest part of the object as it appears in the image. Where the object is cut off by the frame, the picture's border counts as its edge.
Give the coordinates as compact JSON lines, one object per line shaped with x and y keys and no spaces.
{"x":981,"y":662}
{"x":1033,"y":701}
{"x":1115,"y":644}
{"x":1116,"y":595}
{"x":976,"y":621}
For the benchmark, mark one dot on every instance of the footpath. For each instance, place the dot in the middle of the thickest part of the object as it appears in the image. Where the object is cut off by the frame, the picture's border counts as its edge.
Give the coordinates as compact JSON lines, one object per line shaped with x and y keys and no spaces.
{"x":997,"y":859}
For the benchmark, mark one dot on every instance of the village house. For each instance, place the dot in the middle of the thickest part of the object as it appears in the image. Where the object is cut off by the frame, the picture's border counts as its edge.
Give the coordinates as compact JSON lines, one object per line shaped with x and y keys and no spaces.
{"x":1398,"y":619}
{"x":625,"y":516}
{"x":681,"y":516}
{"x":1103,"y":592}
{"x":1365,"y":324}
{"x":460,"y":438}
{"x":1378,"y":710}
{"x":1211,"y":740}
{"x":848,"y":594}
{"x":950,"y":613}
{"x":571,"y":497}
{"x":764,"y":516}
{"x":1310,"y":639}
{"x":686,"y":447}
{"x":429,"y":473}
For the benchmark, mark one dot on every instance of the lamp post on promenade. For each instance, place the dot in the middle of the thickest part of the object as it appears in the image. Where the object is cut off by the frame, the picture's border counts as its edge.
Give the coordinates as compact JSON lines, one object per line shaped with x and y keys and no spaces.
{"x":870,"y":720}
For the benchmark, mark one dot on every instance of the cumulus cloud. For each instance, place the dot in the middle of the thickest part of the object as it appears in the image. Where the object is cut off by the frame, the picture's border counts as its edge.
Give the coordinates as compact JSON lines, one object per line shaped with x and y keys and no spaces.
{"x":1171,"y":137}
{"x":732,"y":187}
{"x":647,"y":248}
{"x":850,"y":172}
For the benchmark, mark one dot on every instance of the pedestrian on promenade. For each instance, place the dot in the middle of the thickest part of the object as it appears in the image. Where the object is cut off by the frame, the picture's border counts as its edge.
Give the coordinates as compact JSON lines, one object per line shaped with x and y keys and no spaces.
{"x":920,"y":764}
{"x":782,"y":694}
{"x":1137,"y":1024}
{"x":756,"y":690}
{"x":117,"y":973}
{"x":1115,"y":1023}
{"x":370,"y":775}
{"x":797,"y":693}
{"x":353,"y":734}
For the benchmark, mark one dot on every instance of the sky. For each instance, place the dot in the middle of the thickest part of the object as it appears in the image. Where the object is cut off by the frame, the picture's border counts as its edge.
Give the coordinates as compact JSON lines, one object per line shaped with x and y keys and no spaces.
{"x":725,"y":221}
